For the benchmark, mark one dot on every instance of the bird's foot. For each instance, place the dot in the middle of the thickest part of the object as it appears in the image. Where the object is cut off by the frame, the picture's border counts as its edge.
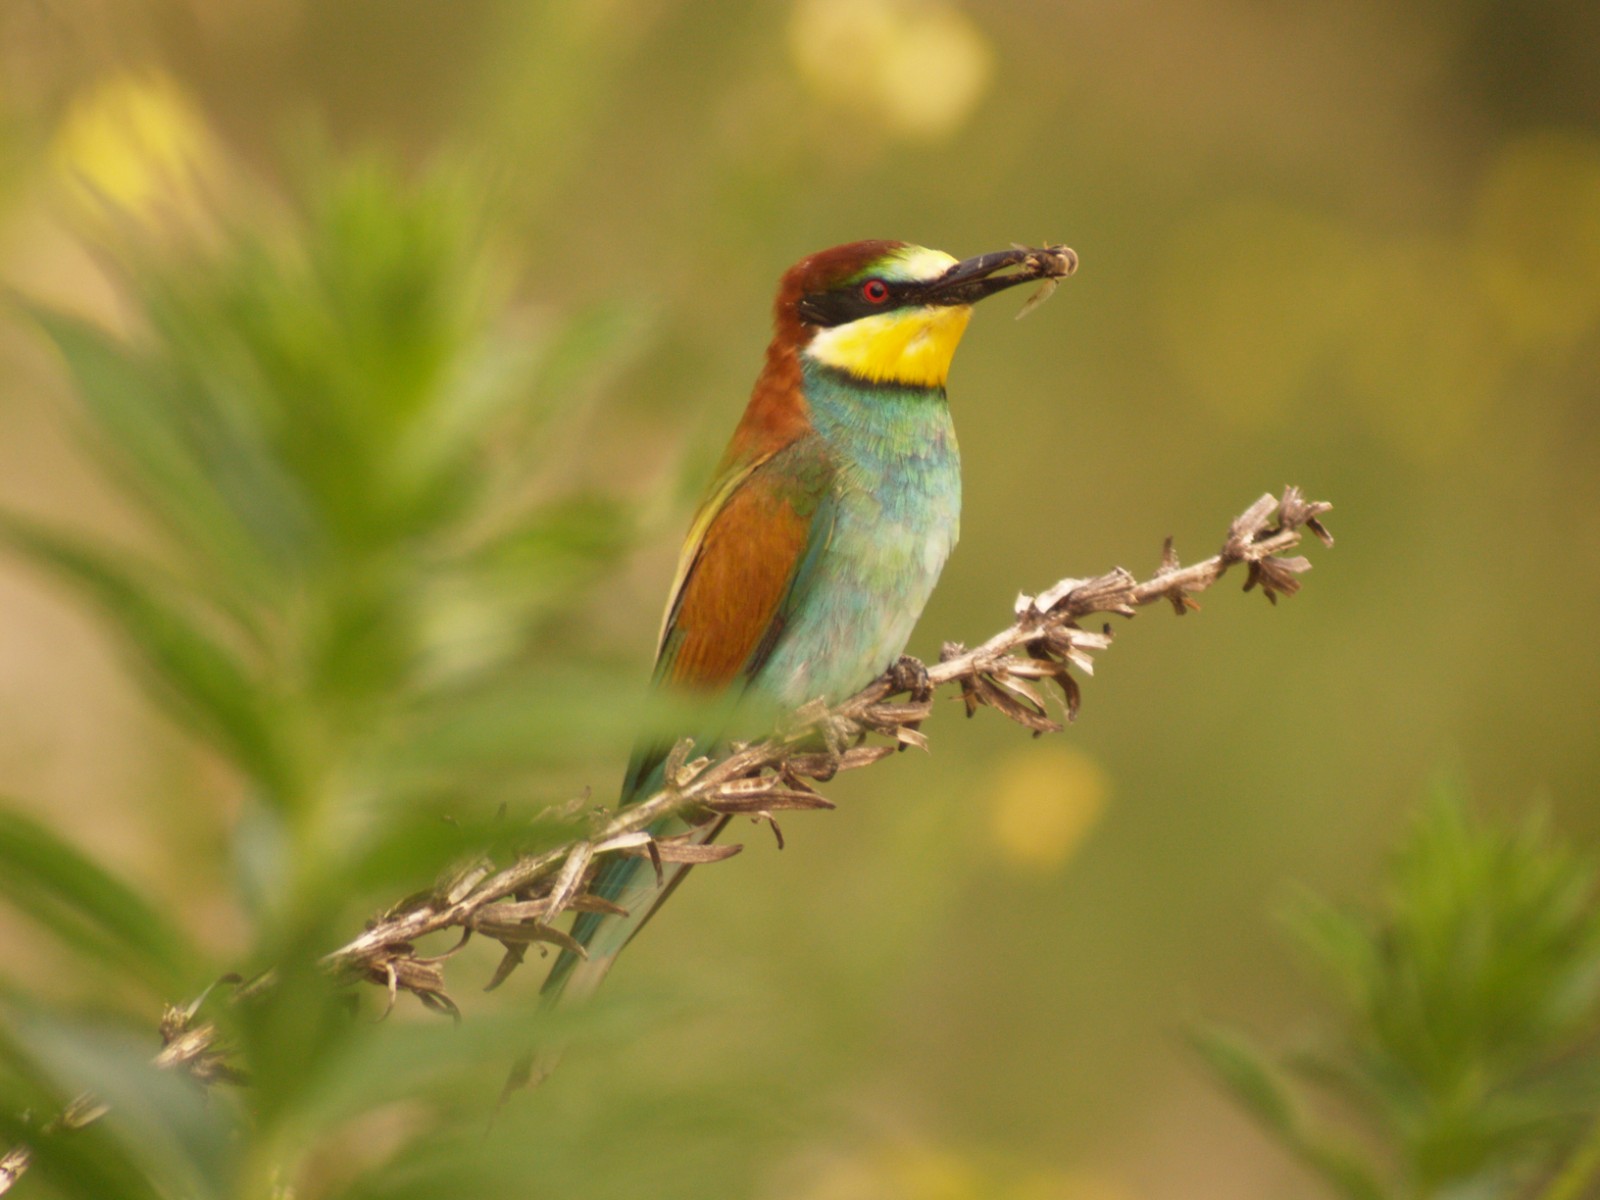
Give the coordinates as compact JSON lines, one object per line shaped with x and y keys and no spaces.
{"x":909,"y":675}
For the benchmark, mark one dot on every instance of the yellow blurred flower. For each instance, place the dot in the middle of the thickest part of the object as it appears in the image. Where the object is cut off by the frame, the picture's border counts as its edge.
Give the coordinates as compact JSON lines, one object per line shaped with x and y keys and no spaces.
{"x":916,"y":67}
{"x":1045,"y":801}
{"x":133,"y":139}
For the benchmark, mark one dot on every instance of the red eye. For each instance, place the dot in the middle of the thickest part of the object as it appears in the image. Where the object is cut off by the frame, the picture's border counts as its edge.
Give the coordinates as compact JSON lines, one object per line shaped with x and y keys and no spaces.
{"x":875,"y":291}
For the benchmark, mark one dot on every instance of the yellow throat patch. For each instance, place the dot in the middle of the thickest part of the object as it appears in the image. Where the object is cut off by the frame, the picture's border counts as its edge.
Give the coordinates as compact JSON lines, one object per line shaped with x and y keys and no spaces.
{"x":911,"y":346}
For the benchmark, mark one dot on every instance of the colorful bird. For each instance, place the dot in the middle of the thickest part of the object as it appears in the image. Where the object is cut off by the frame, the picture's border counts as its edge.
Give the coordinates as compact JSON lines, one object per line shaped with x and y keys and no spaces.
{"x":826,"y":525}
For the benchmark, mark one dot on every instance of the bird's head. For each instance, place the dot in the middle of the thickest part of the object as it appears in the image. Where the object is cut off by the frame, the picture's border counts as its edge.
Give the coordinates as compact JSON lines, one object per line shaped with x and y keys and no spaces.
{"x":889,"y":312}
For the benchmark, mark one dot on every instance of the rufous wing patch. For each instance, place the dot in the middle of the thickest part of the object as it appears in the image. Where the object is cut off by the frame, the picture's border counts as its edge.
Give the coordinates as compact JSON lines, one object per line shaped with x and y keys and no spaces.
{"x":733,"y":587}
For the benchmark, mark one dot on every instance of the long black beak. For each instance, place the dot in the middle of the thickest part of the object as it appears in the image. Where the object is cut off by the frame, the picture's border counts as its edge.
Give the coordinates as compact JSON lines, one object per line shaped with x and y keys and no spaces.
{"x":970,"y":281}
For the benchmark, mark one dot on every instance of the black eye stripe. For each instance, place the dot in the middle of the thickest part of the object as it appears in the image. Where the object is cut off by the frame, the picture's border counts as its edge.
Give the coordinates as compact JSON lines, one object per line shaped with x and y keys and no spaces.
{"x":842,"y":305}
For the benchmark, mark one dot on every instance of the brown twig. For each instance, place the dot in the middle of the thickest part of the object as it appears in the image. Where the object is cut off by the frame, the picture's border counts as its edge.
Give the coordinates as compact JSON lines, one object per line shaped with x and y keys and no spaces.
{"x":517,"y":905}
{"x":12,"y":1164}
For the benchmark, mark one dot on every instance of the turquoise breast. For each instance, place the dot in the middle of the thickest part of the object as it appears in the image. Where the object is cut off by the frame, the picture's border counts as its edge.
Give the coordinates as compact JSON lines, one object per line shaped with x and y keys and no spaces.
{"x":895,"y":507}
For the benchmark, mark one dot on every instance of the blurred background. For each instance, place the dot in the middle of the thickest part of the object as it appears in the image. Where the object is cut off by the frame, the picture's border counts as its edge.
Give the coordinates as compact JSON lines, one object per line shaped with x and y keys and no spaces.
{"x":1354,"y":247}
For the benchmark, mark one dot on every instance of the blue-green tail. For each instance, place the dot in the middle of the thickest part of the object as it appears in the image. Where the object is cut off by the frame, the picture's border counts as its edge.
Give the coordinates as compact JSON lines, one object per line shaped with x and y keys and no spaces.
{"x":629,"y":883}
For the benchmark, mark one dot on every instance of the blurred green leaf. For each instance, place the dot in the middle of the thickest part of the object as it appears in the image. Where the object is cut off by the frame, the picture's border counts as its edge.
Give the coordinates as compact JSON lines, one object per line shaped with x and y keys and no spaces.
{"x":211,"y":688}
{"x":169,"y":1134}
{"x":535,"y":718}
{"x":1467,"y":1007}
{"x":570,"y":537}
{"x":1258,"y":1088}
{"x":524,"y":379}
{"x":77,"y":1163}
{"x":86,"y":906}
{"x":1245,"y":1073}
{"x":375,"y":556}
{"x":144,"y":440}
{"x":587,"y":351}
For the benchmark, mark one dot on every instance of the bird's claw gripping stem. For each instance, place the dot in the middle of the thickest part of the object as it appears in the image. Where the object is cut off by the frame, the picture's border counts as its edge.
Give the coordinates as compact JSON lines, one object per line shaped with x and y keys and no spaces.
{"x":910,"y":676}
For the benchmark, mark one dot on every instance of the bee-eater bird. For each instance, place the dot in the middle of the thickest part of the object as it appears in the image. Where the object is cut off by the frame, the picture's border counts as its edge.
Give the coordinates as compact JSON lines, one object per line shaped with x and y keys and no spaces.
{"x":826,"y":524}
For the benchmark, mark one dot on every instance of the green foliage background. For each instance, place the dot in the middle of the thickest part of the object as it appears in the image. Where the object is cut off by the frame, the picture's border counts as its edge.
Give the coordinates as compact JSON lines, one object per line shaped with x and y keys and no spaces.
{"x":361,"y":363}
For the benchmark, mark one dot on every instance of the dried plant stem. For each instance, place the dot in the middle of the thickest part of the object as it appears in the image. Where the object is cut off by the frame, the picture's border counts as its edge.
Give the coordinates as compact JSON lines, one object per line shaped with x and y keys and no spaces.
{"x":12,"y":1164}
{"x":517,"y":905}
